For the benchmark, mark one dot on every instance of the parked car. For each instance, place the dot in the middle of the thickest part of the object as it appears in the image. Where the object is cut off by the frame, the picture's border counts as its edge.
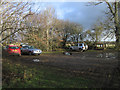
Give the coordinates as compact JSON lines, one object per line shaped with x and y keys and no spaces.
{"x":99,"y":46}
{"x":26,"y":49}
{"x":13,"y":50}
{"x":79,"y":46}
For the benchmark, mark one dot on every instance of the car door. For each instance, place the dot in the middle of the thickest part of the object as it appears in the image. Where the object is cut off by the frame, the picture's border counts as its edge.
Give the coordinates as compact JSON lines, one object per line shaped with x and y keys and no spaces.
{"x":27,"y":50}
{"x":80,"y":46}
{"x":24,"y":49}
{"x":76,"y":47}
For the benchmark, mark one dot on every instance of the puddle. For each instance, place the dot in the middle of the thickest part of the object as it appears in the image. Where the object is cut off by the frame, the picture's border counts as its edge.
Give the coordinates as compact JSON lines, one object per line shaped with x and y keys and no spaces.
{"x":107,"y":55}
{"x":36,"y":60}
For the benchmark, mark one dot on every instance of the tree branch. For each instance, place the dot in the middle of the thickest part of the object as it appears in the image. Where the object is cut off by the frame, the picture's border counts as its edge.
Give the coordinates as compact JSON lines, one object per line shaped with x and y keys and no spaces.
{"x":98,"y":3}
{"x":27,"y":15}
{"x":5,"y":30}
{"x":111,"y":9}
{"x":12,"y":34}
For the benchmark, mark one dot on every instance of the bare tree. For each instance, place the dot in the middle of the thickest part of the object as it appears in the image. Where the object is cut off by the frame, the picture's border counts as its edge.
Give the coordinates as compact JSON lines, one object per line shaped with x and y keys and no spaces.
{"x":12,"y":18}
{"x":113,"y":9}
{"x":42,"y":28}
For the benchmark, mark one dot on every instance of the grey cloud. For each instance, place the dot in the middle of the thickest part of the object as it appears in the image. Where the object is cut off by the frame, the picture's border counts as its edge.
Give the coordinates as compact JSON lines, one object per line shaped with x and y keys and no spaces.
{"x":78,"y":12}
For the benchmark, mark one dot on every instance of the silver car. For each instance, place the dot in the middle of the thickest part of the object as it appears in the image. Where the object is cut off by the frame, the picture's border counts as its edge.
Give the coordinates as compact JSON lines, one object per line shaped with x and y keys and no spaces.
{"x":30,"y":50}
{"x":79,"y":46}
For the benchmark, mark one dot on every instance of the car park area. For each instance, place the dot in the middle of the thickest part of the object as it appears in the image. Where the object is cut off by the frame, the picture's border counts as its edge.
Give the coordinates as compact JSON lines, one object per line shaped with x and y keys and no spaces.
{"x":98,"y":65}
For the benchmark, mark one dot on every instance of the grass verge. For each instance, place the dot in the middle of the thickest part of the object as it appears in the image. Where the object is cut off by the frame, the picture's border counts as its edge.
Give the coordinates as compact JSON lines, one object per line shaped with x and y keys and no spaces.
{"x":16,"y":75}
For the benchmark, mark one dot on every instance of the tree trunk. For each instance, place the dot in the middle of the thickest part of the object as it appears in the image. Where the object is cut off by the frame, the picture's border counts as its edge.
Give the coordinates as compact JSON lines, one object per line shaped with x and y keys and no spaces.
{"x":117,"y":34}
{"x":47,"y":42}
{"x":65,"y":40}
{"x":52,"y":46}
{"x":117,"y":26}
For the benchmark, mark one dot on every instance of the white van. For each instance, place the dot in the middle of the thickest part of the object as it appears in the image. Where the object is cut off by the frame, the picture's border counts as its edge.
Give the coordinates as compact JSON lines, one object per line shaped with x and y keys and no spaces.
{"x":79,"y":46}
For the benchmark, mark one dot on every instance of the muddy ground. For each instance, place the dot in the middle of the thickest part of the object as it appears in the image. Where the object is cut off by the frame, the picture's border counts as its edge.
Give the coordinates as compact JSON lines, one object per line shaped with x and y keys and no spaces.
{"x":100,"y":66}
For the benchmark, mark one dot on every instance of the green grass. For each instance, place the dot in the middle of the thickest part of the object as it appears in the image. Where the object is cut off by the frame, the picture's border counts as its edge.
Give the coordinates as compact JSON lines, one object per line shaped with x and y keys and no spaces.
{"x":16,"y":75}
{"x":52,"y":52}
{"x":105,"y":50}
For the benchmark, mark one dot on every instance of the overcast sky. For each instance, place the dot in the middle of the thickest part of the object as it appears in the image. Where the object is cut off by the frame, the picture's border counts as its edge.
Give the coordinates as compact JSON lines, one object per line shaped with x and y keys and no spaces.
{"x":77,"y":12}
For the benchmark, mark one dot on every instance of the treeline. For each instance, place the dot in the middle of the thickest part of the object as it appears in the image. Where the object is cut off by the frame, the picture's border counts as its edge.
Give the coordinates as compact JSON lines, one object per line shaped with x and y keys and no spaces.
{"x":41,"y":29}
{"x":21,"y":22}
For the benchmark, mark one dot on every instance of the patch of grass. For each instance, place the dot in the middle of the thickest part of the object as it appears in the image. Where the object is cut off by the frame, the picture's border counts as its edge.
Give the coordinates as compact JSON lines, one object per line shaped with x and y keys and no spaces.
{"x":16,"y":75}
{"x":105,"y":50}
{"x":52,"y":52}
{"x":95,"y":50}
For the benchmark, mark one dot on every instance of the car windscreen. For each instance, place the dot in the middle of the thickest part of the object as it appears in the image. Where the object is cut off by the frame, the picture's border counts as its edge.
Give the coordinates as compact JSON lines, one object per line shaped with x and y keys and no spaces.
{"x":14,"y":47}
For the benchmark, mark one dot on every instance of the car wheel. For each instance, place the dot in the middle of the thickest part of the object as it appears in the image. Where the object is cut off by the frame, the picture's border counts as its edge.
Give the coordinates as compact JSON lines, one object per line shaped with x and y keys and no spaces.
{"x":71,"y":49}
{"x":30,"y":53}
{"x":80,"y":49}
{"x":21,"y":52}
{"x":19,"y":55}
{"x":35,"y":54}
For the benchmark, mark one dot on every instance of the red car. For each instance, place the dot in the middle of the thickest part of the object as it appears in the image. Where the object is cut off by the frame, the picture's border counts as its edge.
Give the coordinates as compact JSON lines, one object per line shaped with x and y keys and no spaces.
{"x":13,"y":50}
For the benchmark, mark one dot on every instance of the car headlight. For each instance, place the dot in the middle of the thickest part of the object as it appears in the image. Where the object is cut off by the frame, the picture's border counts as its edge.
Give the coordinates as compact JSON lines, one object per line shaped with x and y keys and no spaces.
{"x":37,"y":51}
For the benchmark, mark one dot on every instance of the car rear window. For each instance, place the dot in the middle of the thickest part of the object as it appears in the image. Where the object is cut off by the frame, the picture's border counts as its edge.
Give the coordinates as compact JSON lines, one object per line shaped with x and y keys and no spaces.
{"x":80,"y":44}
{"x":14,"y":47}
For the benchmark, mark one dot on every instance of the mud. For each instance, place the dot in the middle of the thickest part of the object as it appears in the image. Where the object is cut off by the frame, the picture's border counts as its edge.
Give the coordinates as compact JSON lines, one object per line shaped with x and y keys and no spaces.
{"x":100,"y":66}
